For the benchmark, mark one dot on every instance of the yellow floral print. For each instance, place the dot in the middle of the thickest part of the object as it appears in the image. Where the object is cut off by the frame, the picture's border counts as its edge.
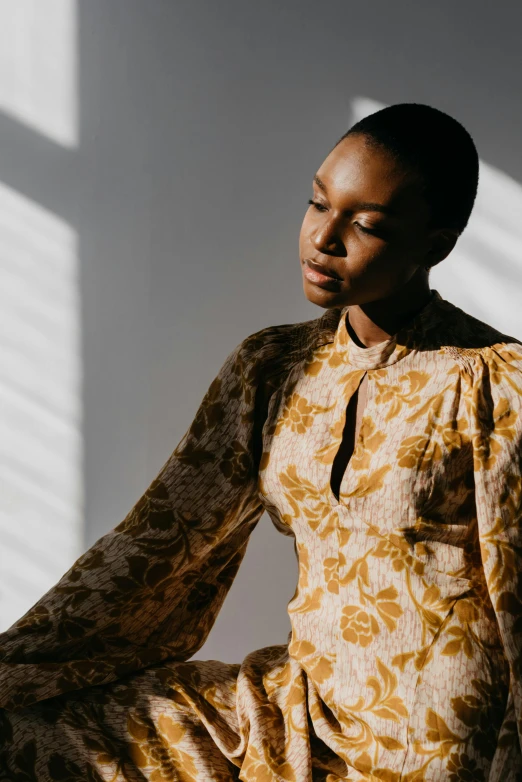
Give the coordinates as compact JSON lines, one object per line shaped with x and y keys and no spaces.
{"x":299,"y":414}
{"x":404,"y":660}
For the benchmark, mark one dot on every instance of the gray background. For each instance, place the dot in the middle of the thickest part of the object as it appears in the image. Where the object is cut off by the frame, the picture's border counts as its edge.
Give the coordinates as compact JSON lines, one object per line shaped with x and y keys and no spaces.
{"x":200,"y":127}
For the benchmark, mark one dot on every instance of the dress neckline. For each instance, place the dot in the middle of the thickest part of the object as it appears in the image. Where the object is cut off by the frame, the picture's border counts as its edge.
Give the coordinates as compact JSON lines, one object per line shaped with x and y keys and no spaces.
{"x":395,"y":347}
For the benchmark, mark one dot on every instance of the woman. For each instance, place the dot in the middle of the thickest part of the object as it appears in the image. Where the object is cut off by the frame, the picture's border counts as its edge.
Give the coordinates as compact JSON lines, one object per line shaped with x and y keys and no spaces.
{"x":385,"y":436}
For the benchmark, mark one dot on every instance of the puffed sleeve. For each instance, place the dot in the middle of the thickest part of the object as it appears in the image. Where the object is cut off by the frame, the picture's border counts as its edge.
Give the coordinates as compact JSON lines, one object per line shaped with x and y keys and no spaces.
{"x":497,"y":450}
{"x":151,"y":589}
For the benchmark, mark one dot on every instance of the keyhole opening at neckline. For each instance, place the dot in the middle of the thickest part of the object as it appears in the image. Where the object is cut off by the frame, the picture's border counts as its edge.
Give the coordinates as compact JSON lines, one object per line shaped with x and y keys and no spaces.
{"x":349,"y":439}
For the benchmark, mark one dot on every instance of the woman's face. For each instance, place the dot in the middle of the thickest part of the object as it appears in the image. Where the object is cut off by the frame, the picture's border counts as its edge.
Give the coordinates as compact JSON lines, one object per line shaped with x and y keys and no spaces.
{"x":367,"y":227}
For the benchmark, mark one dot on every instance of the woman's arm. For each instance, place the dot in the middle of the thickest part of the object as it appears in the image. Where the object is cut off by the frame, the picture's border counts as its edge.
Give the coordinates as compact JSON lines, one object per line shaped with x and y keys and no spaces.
{"x":496,"y":404}
{"x":151,"y":588}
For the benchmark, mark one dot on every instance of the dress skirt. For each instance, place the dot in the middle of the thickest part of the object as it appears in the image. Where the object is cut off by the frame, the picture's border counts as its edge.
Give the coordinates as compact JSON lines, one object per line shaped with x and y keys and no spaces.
{"x":196,"y":721}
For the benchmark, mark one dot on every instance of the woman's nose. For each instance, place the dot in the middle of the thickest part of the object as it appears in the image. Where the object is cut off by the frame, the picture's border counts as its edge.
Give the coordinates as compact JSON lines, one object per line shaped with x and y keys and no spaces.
{"x":326,"y":239}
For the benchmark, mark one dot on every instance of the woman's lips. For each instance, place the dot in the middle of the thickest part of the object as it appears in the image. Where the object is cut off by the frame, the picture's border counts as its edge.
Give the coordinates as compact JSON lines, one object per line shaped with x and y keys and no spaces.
{"x":323,"y":280}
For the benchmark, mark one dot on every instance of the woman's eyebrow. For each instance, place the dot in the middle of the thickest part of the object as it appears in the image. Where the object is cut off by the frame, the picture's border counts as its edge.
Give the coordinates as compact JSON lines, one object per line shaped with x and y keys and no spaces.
{"x":319,"y":183}
{"x":369,"y":206}
{"x":364,"y":206}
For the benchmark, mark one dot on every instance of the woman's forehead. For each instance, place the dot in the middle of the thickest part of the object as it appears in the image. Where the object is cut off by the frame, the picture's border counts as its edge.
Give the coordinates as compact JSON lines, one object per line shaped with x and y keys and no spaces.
{"x":356,"y":172}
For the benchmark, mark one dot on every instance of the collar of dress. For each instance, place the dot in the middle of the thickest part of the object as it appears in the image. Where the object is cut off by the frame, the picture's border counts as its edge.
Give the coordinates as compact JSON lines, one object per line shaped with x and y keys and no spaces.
{"x":393,"y":349}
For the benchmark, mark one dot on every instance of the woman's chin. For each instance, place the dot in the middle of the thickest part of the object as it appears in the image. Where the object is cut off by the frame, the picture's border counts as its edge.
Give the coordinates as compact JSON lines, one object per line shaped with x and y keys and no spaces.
{"x":322,"y":296}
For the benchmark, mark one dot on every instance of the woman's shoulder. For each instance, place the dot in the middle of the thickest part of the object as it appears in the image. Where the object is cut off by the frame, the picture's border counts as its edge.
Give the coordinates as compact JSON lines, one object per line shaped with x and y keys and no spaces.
{"x":274,"y":349}
{"x":466,"y":333}
{"x":470,"y":340}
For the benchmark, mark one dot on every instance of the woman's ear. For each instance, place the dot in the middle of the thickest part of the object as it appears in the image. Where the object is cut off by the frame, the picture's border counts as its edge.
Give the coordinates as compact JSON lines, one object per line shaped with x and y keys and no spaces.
{"x":443,"y":241}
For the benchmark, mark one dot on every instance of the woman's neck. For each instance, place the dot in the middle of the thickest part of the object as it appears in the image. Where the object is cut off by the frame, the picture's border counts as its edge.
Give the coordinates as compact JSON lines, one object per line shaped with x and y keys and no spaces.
{"x":377,"y":321}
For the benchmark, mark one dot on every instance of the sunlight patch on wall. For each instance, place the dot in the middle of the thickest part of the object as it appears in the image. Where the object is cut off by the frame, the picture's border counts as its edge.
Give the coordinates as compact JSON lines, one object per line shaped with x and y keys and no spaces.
{"x":483,"y":274}
{"x":41,"y":460}
{"x":38,"y":66}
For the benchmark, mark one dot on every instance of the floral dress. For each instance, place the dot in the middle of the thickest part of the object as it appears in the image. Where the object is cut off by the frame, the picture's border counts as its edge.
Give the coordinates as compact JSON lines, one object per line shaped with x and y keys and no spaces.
{"x":404,"y":661}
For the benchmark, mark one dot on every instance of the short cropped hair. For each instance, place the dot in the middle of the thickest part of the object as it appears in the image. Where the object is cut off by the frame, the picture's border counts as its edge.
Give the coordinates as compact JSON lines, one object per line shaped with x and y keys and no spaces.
{"x":436,"y":147}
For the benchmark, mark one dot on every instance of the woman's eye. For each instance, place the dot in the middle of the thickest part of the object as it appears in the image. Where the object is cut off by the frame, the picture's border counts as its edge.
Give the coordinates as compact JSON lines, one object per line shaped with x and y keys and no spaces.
{"x":318,"y":206}
{"x":373,"y":231}
{"x":322,"y":208}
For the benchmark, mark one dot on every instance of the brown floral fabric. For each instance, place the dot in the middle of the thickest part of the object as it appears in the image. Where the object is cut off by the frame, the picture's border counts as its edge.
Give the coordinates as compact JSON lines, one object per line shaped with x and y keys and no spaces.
{"x":404,"y":661}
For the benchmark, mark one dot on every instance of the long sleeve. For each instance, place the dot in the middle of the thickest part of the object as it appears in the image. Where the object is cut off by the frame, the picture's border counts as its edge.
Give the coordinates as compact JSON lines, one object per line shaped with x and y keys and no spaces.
{"x":151,"y":589}
{"x":496,"y":406}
